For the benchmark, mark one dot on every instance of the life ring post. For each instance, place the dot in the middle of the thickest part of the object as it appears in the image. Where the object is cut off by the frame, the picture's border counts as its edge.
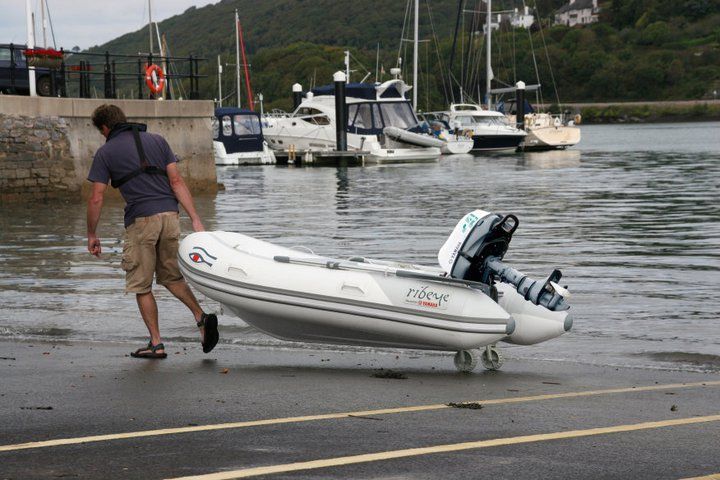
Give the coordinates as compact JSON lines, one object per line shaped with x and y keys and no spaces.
{"x":155,"y":78}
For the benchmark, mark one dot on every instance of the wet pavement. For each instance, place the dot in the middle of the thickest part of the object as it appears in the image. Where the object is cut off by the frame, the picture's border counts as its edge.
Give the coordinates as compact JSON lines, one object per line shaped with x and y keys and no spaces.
{"x":226,"y":414}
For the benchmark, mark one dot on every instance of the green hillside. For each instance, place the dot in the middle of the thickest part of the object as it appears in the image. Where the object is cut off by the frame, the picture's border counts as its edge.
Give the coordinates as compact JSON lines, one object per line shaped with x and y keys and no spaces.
{"x":640,"y":49}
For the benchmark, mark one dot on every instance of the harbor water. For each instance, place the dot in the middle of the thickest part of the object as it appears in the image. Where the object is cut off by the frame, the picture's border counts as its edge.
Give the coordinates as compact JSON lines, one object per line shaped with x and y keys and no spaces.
{"x":631,"y":216}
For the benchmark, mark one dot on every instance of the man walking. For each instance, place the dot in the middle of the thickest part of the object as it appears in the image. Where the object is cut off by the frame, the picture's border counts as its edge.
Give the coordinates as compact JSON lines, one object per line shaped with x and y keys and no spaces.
{"x":144,"y":168}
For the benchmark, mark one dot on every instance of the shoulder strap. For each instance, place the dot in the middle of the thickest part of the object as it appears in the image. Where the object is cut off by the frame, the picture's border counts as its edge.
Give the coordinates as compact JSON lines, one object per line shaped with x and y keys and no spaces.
{"x":138,"y":144}
{"x":145,"y":167}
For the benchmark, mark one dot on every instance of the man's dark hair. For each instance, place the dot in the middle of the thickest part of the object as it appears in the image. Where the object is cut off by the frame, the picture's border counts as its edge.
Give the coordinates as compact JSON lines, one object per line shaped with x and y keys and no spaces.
{"x":108,"y":115}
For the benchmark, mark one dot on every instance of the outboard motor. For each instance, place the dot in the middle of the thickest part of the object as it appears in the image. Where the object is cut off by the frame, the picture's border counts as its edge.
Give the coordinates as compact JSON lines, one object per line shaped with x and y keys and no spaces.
{"x":475,"y":251}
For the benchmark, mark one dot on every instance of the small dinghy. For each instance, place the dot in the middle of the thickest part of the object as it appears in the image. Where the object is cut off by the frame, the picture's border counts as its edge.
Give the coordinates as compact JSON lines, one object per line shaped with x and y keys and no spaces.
{"x":471,"y":301}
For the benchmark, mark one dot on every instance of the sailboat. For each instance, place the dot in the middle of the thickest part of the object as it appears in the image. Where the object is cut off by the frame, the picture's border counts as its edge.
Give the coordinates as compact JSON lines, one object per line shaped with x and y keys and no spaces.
{"x":545,"y":131}
{"x":237,"y":132}
{"x":489,"y":129}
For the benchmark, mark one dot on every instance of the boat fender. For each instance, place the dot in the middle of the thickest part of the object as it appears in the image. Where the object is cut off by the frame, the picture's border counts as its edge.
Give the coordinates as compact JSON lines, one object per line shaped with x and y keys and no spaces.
{"x":557,"y":122}
{"x":578,"y":119}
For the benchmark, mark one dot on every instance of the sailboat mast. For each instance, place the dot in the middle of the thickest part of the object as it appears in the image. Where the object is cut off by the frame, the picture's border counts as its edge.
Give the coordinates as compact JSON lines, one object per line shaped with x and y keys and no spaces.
{"x":237,"y":56}
{"x":150,"y":32}
{"x":248,"y":87}
{"x":377,"y":63}
{"x":416,"y":41}
{"x":30,"y":45}
{"x":219,"y":70}
{"x":488,"y":66}
{"x":44,"y":23}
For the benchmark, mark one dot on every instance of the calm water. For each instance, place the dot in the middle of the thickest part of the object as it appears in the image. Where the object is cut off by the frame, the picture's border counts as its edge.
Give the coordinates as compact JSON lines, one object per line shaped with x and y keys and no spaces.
{"x":631,"y":217}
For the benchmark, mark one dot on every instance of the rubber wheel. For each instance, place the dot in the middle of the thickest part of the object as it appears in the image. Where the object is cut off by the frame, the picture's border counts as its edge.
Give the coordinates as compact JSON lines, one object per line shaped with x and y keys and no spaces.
{"x":491,"y":359}
{"x":465,"y":361}
{"x":44,"y":86}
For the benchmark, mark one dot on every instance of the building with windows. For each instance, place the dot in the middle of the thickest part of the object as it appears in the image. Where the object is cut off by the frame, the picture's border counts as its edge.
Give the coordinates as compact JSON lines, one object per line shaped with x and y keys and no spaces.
{"x":577,"y":12}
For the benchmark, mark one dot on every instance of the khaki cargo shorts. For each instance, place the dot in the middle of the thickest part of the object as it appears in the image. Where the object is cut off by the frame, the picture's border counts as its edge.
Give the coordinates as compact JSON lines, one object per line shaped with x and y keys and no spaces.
{"x":150,"y":248}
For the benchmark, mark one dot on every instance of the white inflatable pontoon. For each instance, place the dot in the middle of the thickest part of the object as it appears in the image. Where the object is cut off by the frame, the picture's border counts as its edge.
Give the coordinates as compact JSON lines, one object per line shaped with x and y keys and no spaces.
{"x":464,"y":305}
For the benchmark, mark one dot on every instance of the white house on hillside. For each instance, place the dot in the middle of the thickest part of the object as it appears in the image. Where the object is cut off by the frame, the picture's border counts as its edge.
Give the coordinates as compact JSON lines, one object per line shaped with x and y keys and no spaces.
{"x":517,"y":18}
{"x":577,"y":12}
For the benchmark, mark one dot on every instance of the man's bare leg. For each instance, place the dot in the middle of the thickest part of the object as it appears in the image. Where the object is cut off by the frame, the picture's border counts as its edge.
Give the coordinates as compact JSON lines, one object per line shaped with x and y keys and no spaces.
{"x":149,"y":312}
{"x":182,"y":292}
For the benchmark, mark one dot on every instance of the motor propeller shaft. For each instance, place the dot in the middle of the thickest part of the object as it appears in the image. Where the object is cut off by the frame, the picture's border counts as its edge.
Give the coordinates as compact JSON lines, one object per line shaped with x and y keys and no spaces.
{"x":535,"y":291}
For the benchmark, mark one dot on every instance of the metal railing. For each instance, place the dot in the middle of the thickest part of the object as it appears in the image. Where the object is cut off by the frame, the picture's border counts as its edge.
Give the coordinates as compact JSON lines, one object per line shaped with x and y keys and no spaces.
{"x":106,"y":75}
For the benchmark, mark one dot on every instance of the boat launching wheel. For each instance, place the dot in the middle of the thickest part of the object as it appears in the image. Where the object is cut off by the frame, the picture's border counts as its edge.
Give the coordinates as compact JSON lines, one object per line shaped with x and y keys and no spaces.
{"x":491,"y":358}
{"x":466,"y":360}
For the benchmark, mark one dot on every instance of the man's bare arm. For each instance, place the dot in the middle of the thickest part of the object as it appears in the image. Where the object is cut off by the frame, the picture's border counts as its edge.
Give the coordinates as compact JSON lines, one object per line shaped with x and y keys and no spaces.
{"x":94,"y":207}
{"x":182,"y":193}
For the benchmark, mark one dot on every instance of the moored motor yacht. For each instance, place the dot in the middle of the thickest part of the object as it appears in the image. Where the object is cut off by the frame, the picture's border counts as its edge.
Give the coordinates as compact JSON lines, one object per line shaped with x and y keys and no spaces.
{"x":472,"y":300}
{"x":489,"y":130}
{"x":381,"y":124}
{"x":238,"y":138}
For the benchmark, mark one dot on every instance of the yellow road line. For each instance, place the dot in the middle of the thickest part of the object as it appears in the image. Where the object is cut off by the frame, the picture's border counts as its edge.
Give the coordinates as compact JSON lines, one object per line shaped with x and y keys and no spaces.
{"x":714,"y":476}
{"x":330,"y":416}
{"x":412,"y":452}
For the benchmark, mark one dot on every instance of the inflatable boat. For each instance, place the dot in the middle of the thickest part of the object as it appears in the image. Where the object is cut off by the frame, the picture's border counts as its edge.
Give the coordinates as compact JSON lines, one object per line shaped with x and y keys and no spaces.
{"x":471,"y":301}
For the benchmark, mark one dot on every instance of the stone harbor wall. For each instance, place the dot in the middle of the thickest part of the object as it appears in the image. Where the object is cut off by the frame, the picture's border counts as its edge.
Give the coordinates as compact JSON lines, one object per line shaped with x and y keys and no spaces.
{"x":47,"y":144}
{"x":35,"y":158}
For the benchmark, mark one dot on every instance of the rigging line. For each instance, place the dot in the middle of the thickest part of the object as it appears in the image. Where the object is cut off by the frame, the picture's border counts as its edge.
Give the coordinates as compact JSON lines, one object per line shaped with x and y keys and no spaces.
{"x":468,"y":55}
{"x":402,"y":32}
{"x":514,"y":52}
{"x":454,"y":44}
{"x":532,"y":50}
{"x":52,"y":30}
{"x":353,"y":57}
{"x":178,"y":84}
{"x":547,"y":56}
{"x":462,"y":54}
{"x":437,"y":52}
{"x":479,"y":54}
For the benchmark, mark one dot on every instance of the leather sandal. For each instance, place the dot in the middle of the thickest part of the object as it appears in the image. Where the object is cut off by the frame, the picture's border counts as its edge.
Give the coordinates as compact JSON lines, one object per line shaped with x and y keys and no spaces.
{"x":151,"y":351}
{"x":210,"y":322}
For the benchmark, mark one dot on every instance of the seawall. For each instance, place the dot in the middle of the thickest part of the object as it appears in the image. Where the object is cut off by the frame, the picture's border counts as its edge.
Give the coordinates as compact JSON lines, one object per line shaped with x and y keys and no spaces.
{"x":47,"y":144}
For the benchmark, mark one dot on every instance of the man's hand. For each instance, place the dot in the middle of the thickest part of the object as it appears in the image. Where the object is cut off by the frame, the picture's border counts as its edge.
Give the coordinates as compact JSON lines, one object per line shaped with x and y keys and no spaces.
{"x":94,"y":245}
{"x":197,"y":225}
{"x":94,"y":207}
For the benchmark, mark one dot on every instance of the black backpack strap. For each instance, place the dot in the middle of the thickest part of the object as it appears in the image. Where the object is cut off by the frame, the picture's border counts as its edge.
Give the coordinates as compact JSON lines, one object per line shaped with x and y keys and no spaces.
{"x":145,"y":167}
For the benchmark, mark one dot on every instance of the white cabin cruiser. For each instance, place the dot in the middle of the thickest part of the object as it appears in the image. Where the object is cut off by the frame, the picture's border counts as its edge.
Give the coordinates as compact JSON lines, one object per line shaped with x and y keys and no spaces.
{"x":381,"y":122}
{"x":471,"y":301}
{"x":238,"y":138}
{"x":490,"y":130}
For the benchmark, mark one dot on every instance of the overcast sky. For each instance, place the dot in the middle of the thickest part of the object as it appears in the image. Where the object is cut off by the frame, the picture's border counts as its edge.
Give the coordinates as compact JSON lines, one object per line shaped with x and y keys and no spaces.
{"x":86,"y":23}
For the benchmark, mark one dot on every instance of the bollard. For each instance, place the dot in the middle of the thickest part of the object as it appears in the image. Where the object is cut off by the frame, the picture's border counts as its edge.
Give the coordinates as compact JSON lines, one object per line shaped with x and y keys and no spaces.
{"x":340,"y":112}
{"x":297,"y":95}
{"x":520,"y":105}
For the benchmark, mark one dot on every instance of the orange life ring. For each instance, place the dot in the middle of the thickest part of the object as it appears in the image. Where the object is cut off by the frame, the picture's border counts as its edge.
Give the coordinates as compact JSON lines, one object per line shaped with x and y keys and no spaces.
{"x":155,"y":82}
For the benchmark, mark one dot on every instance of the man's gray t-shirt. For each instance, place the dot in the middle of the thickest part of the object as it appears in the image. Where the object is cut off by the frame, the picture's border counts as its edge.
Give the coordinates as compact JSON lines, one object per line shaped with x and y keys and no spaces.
{"x":145,"y":194}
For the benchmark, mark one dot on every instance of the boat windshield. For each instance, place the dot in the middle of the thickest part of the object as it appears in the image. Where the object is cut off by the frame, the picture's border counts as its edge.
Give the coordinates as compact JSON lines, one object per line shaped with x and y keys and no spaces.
{"x":226,"y":126}
{"x":246,"y":125}
{"x":312,"y":115}
{"x":215,"y":127}
{"x":372,"y":117}
{"x":490,"y":121}
{"x":398,"y":114}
